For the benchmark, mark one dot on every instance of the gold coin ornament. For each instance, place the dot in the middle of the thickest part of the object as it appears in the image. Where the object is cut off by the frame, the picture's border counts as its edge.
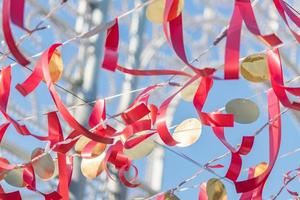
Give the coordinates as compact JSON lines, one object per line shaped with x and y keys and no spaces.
{"x":2,"y":171}
{"x":169,"y":196}
{"x":56,"y":66}
{"x":15,"y":177}
{"x":187,"y":132}
{"x":254,"y":68}
{"x":244,"y":110}
{"x":216,"y":190}
{"x":83,"y":141}
{"x":141,"y":150}
{"x":260,"y":168}
{"x":155,"y":11}
{"x":188,"y":93}
{"x":92,"y":167}
{"x":44,"y":166}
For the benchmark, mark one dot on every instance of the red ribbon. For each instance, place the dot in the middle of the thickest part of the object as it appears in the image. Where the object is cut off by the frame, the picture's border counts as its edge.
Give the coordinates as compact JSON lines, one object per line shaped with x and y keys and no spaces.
{"x":5,"y":82}
{"x":210,"y":119}
{"x":9,"y":195}
{"x":284,"y":9}
{"x":277,"y":82}
{"x":286,"y":179}
{"x":42,"y":68}
{"x":134,"y":113}
{"x":110,"y":60}
{"x":243,"y":11}
{"x":161,"y":123}
{"x":274,"y":146}
{"x":116,"y":156}
{"x":14,"y":10}
{"x":202,"y":192}
{"x":98,"y":113}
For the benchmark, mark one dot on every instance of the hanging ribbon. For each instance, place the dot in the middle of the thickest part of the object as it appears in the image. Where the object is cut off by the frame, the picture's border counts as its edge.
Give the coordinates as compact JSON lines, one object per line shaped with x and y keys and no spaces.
{"x":284,"y":9}
{"x":42,"y":71}
{"x":287,"y":178}
{"x":116,"y":157}
{"x":277,"y":82}
{"x":177,"y":42}
{"x":5,"y":83}
{"x":202,"y":192}
{"x":9,"y":195}
{"x":214,"y":119}
{"x":110,"y":60}
{"x":274,"y":146}
{"x":243,"y":11}
{"x":218,"y":121}
{"x":14,"y":10}
{"x":134,"y":113}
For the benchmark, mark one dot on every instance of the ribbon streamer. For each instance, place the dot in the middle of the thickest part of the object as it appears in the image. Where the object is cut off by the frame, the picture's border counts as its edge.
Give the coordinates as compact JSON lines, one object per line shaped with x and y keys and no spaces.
{"x":14,"y":10}
{"x":243,"y":11}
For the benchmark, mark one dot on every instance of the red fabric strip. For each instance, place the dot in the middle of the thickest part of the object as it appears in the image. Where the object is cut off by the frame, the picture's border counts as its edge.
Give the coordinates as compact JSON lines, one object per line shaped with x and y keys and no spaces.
{"x":274,"y":146}
{"x":161,"y":123}
{"x":277,"y":82}
{"x":44,"y":67}
{"x":98,"y":113}
{"x":133,"y":142}
{"x":134,"y":113}
{"x":202,"y":192}
{"x":232,"y":47}
{"x":283,"y":9}
{"x":63,"y":186}
{"x":243,"y":11}
{"x":55,"y":132}
{"x":7,"y":7}
{"x":3,"y":128}
{"x":110,"y":60}
{"x":214,"y":119}
{"x":17,"y":8}
{"x":9,"y":195}
{"x":5,"y":81}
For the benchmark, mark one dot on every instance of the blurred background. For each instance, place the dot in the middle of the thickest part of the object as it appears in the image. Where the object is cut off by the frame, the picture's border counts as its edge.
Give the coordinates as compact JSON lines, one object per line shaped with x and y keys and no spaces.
{"x":143,"y":46}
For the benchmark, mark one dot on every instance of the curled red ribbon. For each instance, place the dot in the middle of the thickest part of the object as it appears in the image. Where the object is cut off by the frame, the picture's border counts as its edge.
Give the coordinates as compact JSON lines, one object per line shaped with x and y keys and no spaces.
{"x":40,"y":71}
{"x":284,"y":9}
{"x":110,"y":60}
{"x":274,"y":146}
{"x":14,"y":10}
{"x":277,"y":82}
{"x":243,"y":11}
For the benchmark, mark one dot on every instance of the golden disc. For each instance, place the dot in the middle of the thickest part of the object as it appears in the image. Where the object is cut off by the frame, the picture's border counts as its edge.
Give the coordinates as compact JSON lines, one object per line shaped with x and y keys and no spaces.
{"x":189,"y":92}
{"x":169,"y":196}
{"x":244,"y":110}
{"x":83,"y":141}
{"x":141,"y":150}
{"x":92,"y":167}
{"x":15,"y":177}
{"x":187,"y":132}
{"x":44,"y":167}
{"x":2,"y":171}
{"x":216,"y":190}
{"x":56,"y":66}
{"x":155,"y":11}
{"x":260,"y":168}
{"x":254,"y":68}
